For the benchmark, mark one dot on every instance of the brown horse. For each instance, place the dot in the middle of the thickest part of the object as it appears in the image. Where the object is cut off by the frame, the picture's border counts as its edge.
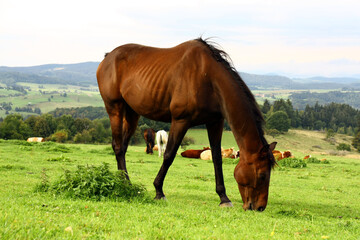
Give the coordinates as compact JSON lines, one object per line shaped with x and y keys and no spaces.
{"x":149,"y":136}
{"x":187,"y":85}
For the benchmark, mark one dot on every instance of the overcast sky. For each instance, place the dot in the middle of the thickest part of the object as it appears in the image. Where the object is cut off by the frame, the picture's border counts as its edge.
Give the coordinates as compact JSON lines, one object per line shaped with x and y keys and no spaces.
{"x":293,"y":38}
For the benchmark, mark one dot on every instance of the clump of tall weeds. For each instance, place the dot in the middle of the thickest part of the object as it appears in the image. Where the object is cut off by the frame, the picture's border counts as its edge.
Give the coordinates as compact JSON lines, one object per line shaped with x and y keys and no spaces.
{"x":95,"y":183}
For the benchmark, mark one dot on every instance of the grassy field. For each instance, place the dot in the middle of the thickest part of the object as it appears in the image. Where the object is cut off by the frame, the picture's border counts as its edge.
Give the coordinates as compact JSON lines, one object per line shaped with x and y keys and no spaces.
{"x":320,"y":201}
{"x":51,"y":97}
{"x":78,"y":96}
{"x":276,"y":94}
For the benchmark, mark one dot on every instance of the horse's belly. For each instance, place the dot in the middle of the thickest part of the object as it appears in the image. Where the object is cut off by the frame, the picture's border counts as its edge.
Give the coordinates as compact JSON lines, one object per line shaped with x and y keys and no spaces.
{"x":149,"y":107}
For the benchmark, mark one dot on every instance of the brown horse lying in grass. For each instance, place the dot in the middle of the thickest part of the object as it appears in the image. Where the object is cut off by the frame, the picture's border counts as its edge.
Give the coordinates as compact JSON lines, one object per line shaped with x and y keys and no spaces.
{"x":193,"y":153}
{"x":190,"y":84}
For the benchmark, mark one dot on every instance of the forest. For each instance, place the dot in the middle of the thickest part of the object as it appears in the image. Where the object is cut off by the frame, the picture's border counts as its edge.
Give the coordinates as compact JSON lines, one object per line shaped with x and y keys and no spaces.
{"x":303,"y":98}
{"x":92,"y":125}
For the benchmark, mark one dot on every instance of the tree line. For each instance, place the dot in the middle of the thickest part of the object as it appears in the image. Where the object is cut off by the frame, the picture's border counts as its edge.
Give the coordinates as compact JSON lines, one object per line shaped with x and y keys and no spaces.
{"x":301,"y":99}
{"x":67,"y":128}
{"x":92,"y":125}
{"x":341,"y":118}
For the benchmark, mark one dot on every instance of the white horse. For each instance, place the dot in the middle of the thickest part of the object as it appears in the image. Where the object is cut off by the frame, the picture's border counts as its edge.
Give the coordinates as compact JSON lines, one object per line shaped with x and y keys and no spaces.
{"x":161,"y":140}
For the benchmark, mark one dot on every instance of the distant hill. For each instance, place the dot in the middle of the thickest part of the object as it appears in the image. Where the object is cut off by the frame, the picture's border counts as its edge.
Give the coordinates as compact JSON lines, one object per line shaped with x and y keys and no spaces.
{"x":75,"y":74}
{"x":84,"y":74}
{"x":255,"y":81}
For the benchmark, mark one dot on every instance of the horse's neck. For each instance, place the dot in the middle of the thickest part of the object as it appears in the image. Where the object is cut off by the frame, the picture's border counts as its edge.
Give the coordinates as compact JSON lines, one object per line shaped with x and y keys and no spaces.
{"x":239,"y":114}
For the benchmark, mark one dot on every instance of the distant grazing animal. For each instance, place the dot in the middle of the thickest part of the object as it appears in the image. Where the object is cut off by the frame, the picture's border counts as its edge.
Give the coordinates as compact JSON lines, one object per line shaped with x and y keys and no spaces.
{"x":206,"y":155}
{"x":287,"y":154}
{"x":155,"y":148}
{"x":281,"y":155}
{"x":188,"y":85}
{"x":307,"y":157}
{"x":35,"y":139}
{"x":277,"y":155}
{"x":161,"y":140}
{"x":228,"y":153}
{"x":149,"y":136}
{"x":193,"y":153}
{"x":237,"y":155}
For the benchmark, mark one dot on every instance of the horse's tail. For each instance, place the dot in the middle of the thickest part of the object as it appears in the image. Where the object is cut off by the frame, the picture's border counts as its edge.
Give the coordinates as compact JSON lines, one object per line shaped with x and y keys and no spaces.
{"x":161,"y":140}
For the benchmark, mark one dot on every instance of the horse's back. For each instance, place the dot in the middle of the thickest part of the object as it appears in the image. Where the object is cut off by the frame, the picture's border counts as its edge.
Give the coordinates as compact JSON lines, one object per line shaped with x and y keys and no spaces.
{"x":158,"y":83}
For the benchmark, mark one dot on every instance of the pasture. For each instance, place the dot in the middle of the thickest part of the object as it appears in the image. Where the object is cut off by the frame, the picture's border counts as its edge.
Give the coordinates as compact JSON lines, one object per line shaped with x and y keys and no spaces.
{"x":48,"y":97}
{"x":320,"y":201}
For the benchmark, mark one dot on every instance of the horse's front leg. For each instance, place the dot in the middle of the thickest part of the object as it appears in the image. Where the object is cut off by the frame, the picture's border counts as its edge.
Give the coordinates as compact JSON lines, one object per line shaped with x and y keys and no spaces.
{"x":176,"y":134}
{"x":215,"y":132}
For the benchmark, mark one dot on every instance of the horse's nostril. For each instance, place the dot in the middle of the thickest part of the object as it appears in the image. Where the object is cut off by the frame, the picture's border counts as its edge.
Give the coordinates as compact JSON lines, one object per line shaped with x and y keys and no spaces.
{"x":260,"y":209}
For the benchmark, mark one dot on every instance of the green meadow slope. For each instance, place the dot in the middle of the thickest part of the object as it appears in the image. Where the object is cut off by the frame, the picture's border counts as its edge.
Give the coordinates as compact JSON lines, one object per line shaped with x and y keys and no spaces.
{"x":319,"y":201}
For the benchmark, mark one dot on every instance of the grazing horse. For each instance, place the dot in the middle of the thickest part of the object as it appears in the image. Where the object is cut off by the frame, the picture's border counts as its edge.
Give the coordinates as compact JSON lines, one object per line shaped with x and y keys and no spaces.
{"x":149,"y":136}
{"x":161,"y":140}
{"x":191,"y":84}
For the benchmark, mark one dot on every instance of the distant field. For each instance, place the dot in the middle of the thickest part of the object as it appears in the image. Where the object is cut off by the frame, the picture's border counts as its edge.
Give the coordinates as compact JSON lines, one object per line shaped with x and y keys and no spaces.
{"x":89,"y":96}
{"x":320,"y":201}
{"x":52,"y":97}
{"x":272,"y":95}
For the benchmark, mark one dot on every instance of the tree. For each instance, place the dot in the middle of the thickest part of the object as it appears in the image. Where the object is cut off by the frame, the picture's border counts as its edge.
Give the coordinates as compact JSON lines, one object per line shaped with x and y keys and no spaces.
{"x":13,"y":127}
{"x":65,"y":122}
{"x":278,"y":120}
{"x":330,"y":133}
{"x":83,"y":137}
{"x":80,"y":124}
{"x":356,"y":141}
{"x":42,"y":128}
{"x":266,"y":106}
{"x":60,"y":136}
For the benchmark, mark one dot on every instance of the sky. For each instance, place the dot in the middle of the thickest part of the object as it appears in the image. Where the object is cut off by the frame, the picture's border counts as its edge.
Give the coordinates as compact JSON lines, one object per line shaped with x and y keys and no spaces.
{"x":291,"y":38}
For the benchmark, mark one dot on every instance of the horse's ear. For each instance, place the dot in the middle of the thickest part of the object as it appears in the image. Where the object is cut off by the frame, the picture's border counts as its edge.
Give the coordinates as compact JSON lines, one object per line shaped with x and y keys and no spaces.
{"x":264,"y":151}
{"x":272,"y":146}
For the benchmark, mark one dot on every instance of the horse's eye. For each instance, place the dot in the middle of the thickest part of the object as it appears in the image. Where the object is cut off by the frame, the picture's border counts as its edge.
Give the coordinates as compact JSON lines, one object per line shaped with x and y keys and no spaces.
{"x":262,"y":176}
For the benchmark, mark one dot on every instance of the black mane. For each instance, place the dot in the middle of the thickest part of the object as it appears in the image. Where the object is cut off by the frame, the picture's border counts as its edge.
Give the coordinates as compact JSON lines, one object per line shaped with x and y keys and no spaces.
{"x":222,"y":57}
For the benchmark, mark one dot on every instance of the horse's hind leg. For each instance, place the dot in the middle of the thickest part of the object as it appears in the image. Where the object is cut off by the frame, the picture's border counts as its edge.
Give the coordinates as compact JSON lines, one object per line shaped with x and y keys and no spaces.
{"x":176,"y":134}
{"x":123,"y":122}
{"x":215,"y":133}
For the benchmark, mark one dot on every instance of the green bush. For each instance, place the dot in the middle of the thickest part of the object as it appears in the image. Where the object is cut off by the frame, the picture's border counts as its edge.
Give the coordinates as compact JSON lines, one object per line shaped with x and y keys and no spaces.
{"x":343,"y":147}
{"x":315,"y":160}
{"x":59,"y":148}
{"x":356,"y":141}
{"x":292,"y":163}
{"x":60,"y":136}
{"x":44,"y":185}
{"x":186,"y":142}
{"x":96,"y":183}
{"x":278,"y":120}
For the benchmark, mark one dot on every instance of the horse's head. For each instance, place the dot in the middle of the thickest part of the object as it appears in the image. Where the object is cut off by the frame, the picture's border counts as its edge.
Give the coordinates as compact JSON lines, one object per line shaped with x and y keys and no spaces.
{"x":252,"y":174}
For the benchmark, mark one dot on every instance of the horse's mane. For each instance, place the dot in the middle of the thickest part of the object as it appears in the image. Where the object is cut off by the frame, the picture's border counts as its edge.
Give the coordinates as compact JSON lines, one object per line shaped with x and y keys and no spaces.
{"x":222,"y":57}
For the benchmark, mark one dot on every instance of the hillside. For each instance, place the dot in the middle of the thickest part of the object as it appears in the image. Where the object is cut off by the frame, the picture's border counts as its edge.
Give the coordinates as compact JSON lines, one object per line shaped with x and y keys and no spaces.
{"x":45,"y":86}
{"x":299,"y":142}
{"x":74,"y":74}
{"x":84,"y":74}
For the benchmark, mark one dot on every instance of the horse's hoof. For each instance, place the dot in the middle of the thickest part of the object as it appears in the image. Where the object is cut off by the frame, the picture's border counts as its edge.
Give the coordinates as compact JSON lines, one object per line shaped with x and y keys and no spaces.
{"x":226,"y":204}
{"x":161,"y":198}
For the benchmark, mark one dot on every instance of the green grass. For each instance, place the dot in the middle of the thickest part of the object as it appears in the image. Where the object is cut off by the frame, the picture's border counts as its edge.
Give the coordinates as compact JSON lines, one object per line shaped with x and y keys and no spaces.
{"x":318,"y":201}
{"x":76,"y":97}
